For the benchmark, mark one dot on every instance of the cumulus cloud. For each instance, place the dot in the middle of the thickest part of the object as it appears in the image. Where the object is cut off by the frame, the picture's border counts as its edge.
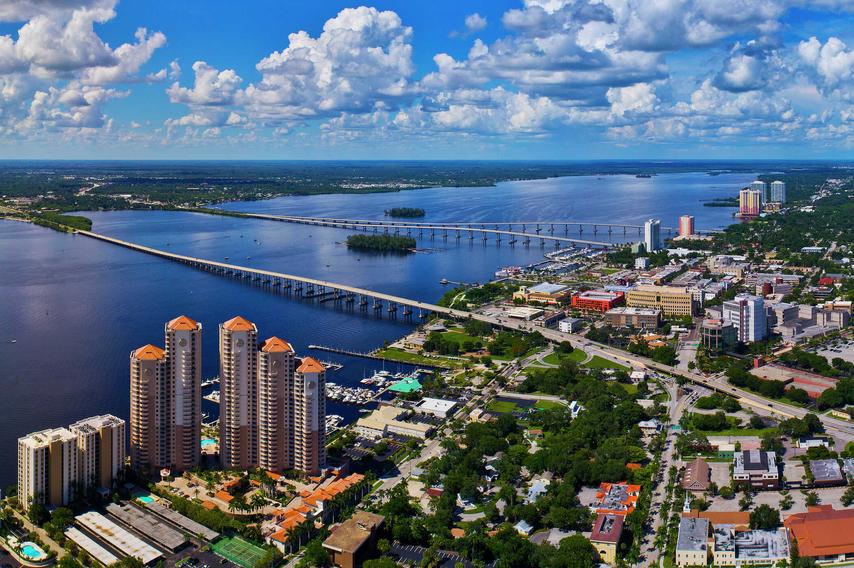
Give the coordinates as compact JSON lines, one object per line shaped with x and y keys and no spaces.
{"x":832,"y":62}
{"x":212,"y":87}
{"x":475,"y":22}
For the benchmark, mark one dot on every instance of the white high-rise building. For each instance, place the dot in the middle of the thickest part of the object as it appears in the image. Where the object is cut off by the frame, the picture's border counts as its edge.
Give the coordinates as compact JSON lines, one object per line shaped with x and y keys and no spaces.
{"x":58,"y":465}
{"x":759,"y":186}
{"x":652,"y":235}
{"x":778,"y":192}
{"x":747,"y":314}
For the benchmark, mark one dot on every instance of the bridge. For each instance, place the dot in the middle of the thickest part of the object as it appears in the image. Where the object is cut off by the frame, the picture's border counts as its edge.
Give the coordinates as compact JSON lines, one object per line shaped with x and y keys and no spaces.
{"x":512,"y":231}
{"x":341,"y":294}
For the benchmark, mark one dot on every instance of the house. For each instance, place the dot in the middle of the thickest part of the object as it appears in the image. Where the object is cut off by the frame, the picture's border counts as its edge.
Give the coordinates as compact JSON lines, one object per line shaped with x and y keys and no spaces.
{"x":354,"y":539}
{"x":617,"y":498}
{"x":692,"y":544}
{"x":697,"y":476}
{"x":649,"y":426}
{"x":539,"y":487}
{"x":607,"y":531}
{"x":523,"y":528}
{"x":823,"y":533}
{"x":756,"y":468}
{"x":575,"y":408}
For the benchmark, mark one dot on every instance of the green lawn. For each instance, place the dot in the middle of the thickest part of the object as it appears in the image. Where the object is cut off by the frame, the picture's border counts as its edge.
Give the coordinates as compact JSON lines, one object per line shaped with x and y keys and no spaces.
{"x":460,"y":337}
{"x":598,"y":362}
{"x":502,"y":406}
{"x":555,"y":358}
{"x":416,"y":359}
{"x":629,"y":388}
{"x":547,"y":405}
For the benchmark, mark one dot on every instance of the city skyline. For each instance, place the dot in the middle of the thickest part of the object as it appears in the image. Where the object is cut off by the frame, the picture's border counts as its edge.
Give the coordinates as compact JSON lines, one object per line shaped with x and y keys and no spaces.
{"x":510,"y":79}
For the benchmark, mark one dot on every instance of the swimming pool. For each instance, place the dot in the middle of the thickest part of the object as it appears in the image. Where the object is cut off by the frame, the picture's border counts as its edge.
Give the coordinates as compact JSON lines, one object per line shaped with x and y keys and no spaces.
{"x":145,"y":499}
{"x":207,"y":442}
{"x":32,"y":551}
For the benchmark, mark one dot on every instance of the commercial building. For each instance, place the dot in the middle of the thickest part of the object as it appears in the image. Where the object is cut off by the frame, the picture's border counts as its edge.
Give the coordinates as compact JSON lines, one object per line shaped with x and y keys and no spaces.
{"x":823,"y":534}
{"x":734,"y":547}
{"x":388,"y":419}
{"x":812,"y":383}
{"x":686,"y":225}
{"x":747,"y":314}
{"x":606,"y":534}
{"x":597,"y":300}
{"x":697,"y":476}
{"x":617,"y":498}
{"x":671,"y":300}
{"x":692,"y":544}
{"x":570,"y":325}
{"x":309,"y":424}
{"x":275,"y":385}
{"x":354,"y":540}
{"x":750,"y":202}
{"x":826,"y":473}
{"x":717,"y":336}
{"x":652,"y":235}
{"x":543,"y":293}
{"x":436,"y":407}
{"x":238,"y":346}
{"x":778,"y":192}
{"x":641,"y":318}
{"x":165,"y":400}
{"x":642,"y":263}
{"x":756,"y":468}
{"x":56,"y":466}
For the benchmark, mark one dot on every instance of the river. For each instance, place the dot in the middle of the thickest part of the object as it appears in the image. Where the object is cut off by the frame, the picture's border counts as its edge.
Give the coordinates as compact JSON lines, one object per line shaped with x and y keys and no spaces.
{"x":76,"y":307}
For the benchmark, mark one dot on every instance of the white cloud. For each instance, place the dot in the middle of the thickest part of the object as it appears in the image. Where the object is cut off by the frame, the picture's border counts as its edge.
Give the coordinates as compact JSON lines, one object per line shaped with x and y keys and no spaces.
{"x":832,"y":61}
{"x":639,"y":98}
{"x":475,"y":22}
{"x":212,"y":87}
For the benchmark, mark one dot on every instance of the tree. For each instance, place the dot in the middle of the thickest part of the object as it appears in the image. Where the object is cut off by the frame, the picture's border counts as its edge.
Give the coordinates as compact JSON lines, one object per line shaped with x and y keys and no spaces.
{"x":786,"y":502}
{"x":128,"y":562}
{"x":38,"y":514}
{"x":812,"y":499}
{"x":383,"y":562}
{"x":746,"y":500}
{"x":848,"y":496}
{"x":315,"y":556}
{"x":764,"y":517}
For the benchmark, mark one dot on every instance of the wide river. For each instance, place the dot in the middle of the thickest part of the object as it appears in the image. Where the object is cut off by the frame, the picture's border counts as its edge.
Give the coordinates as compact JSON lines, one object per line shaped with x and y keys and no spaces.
{"x":72,"y":309}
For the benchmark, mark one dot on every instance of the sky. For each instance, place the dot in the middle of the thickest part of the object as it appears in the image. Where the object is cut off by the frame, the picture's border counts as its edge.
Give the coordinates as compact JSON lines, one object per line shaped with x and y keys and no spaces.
{"x":499,"y":79}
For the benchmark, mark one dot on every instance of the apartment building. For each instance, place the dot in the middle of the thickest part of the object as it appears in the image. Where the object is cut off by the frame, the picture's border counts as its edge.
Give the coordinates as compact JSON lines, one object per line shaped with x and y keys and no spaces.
{"x":641,"y":318}
{"x":309,"y":433}
{"x":56,"y":466}
{"x":652,"y":235}
{"x":184,"y":365}
{"x":686,"y":225}
{"x":166,"y":400}
{"x":671,"y":300}
{"x":238,"y":347}
{"x":275,"y":409}
{"x":747,"y":314}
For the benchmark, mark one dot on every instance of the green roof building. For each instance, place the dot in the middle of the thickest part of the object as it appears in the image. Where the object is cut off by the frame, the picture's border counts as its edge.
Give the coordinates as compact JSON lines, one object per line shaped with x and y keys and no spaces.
{"x":406,"y":385}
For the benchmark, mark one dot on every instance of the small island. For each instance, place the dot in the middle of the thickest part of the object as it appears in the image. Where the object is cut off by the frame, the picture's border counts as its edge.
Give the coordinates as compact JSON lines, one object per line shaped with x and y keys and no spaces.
{"x":407,"y":212}
{"x":722,"y":202}
{"x":381,"y":243}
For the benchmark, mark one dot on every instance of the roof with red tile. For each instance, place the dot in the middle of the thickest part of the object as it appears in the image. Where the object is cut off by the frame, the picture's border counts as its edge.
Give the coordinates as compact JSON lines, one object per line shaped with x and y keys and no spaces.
{"x":310,"y":365}
{"x":224,"y":496}
{"x":182,"y":323}
{"x":239,"y":323}
{"x":823,"y":531}
{"x":149,"y":353}
{"x":276,"y":345}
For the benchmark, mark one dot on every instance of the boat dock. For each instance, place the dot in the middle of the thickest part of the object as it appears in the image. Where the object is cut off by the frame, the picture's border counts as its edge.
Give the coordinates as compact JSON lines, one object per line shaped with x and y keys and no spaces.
{"x":372,"y":355}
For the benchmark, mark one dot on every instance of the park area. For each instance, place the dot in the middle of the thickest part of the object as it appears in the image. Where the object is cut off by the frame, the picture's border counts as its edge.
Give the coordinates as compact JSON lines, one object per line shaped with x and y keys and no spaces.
{"x":240,"y":551}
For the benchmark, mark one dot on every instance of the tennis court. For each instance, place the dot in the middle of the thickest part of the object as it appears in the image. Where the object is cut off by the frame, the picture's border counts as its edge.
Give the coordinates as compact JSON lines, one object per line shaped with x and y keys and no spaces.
{"x":240,"y":551}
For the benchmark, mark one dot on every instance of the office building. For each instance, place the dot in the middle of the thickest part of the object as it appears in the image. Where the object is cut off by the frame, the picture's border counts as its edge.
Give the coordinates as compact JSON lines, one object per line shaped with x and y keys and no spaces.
{"x":756,"y":468}
{"x":166,"y":400}
{"x":309,"y":423}
{"x":184,"y":367}
{"x":686,"y":225}
{"x":778,"y":192}
{"x":671,"y":300}
{"x":640,"y":318}
{"x":543,"y":293}
{"x":652,"y":235}
{"x":824,"y":534}
{"x":692,"y":544}
{"x":733,"y":547}
{"x":605,"y":537}
{"x":354,"y":540}
{"x":596,"y":300}
{"x":718,"y":336}
{"x":275,"y":388}
{"x":749,"y":202}
{"x":827,"y":473}
{"x":101,"y":445}
{"x":238,"y":346}
{"x":58,"y":465}
{"x":746,"y":314}
{"x":642,"y":263}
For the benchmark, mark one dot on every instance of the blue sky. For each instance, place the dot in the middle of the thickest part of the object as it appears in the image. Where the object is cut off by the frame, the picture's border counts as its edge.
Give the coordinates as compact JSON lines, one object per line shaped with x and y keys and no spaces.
{"x":523,"y":79}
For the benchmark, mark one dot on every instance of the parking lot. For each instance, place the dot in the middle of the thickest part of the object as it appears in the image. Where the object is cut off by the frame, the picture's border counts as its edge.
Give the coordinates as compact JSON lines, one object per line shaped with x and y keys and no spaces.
{"x":844,"y":349}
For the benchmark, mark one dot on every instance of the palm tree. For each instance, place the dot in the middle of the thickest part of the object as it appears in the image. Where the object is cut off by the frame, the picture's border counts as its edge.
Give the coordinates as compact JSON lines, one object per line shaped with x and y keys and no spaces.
{"x":258,"y":500}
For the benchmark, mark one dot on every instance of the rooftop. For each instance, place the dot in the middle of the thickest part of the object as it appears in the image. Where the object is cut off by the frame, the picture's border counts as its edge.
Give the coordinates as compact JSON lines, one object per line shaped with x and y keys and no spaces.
{"x":310,"y":365}
{"x":823,"y":531}
{"x":276,"y":345}
{"x":617,"y":497}
{"x":546,"y":288}
{"x":182,"y":323}
{"x":693,"y":534}
{"x":826,"y":470}
{"x":696,"y":476}
{"x":352,"y":533}
{"x":436,"y":404}
{"x":634,"y":311}
{"x":607,"y":528}
{"x":149,"y":353}
{"x":754,"y":461}
{"x":752,"y":545}
{"x":239,"y":323}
